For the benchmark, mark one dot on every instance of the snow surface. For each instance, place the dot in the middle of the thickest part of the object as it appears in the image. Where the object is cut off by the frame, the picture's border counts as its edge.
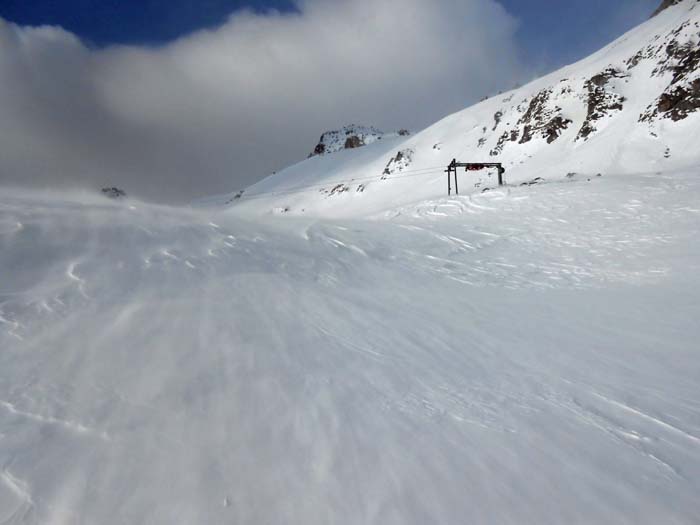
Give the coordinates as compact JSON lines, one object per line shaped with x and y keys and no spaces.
{"x":528,"y":355}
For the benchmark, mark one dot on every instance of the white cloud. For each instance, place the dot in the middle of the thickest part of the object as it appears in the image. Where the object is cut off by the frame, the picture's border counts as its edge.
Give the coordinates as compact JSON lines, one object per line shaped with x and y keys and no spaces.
{"x":218,"y":109}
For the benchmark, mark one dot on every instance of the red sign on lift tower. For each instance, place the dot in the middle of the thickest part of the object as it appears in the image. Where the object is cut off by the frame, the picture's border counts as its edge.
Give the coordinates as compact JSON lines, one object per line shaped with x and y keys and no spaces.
{"x":471,"y":166}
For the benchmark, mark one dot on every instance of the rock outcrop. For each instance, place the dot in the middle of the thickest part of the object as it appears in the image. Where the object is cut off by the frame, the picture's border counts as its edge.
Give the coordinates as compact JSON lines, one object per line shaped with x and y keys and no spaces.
{"x":113,"y":193}
{"x":351,"y":137}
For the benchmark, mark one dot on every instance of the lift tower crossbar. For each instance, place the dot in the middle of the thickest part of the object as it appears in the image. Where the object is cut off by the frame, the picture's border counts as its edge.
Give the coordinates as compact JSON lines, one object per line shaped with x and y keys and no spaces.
{"x":471,"y":166}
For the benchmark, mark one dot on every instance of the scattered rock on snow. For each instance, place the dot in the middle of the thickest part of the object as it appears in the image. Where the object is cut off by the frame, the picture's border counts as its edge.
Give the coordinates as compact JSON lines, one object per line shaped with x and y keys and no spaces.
{"x":114,"y":193}
{"x":335,"y":190}
{"x":536,"y":180}
{"x":682,"y":60}
{"x":236,"y":197}
{"x":398,"y":163}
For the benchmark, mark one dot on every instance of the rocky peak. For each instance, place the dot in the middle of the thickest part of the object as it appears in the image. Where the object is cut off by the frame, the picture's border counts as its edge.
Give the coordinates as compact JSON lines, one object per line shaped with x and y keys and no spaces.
{"x":350,"y":137}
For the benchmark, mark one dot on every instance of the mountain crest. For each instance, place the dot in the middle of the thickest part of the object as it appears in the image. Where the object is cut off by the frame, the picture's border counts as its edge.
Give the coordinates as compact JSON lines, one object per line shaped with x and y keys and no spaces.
{"x":351,"y":137}
{"x":666,"y":4}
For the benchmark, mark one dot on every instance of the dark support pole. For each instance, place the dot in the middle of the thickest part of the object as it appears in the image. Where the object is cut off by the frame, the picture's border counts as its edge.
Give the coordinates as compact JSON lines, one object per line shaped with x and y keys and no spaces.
{"x":501,"y":170}
{"x":450,"y":168}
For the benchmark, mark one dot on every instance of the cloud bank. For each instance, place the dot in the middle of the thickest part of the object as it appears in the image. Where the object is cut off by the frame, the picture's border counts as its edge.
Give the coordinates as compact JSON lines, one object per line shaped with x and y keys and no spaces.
{"x":219,"y":109}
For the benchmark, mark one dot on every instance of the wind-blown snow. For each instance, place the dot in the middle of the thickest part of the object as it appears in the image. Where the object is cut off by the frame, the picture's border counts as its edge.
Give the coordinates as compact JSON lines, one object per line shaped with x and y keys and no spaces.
{"x":528,"y":355}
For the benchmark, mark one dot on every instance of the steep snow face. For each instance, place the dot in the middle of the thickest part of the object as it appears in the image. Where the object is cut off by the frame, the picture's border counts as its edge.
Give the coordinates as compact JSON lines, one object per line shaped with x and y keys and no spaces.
{"x":631,"y":107}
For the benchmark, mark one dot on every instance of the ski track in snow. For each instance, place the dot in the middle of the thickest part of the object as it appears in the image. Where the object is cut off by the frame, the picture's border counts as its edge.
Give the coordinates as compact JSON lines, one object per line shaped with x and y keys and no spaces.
{"x":16,"y":502}
{"x":521,"y":356}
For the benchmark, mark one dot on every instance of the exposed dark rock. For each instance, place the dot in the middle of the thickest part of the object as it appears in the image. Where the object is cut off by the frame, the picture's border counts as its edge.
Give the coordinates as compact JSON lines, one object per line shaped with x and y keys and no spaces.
{"x":348,"y":137}
{"x":668,"y":56}
{"x":497,"y":119}
{"x":507,"y":136}
{"x":335,"y":190}
{"x":114,"y":193}
{"x":536,"y":180}
{"x":555,"y":127}
{"x":540,"y":120}
{"x":340,"y":188}
{"x":398,"y":163}
{"x":682,"y":96}
{"x":601,"y":101}
{"x":500,"y":144}
{"x":688,"y":63}
{"x":236,"y":197}
{"x":680,"y":102}
{"x":353,"y":142}
{"x":642,"y":54}
{"x":351,"y":137}
{"x":533,"y":115}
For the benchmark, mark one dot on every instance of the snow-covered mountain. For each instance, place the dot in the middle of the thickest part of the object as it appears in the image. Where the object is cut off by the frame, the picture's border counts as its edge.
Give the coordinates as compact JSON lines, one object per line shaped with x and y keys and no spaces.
{"x":631,"y":107}
{"x":524,"y":355}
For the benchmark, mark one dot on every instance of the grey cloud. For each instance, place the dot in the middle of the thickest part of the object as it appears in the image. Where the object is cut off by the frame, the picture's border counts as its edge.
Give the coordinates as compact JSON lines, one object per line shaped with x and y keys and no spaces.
{"x":219,"y":109}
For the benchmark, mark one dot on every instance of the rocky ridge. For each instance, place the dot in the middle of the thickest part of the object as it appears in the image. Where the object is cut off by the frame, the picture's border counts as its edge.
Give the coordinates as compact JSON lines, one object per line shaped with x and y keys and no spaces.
{"x":351,"y":137}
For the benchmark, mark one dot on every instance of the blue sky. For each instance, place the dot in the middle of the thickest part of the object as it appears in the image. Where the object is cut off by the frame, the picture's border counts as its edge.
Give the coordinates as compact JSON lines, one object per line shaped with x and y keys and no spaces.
{"x":557,"y":32}
{"x":551,"y":32}
{"x":130,"y":21}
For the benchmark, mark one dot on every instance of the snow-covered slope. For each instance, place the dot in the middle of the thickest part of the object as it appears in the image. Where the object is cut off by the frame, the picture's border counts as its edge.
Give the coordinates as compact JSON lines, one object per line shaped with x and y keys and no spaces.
{"x":632,"y":107}
{"x":527,"y":356}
